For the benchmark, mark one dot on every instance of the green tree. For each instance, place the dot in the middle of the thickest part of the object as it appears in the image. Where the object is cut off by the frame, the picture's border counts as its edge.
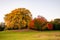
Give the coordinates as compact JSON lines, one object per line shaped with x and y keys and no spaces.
{"x":56,"y":24}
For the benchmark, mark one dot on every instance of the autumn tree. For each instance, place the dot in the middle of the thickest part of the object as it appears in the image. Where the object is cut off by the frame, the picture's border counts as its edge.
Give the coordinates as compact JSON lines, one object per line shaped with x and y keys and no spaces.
{"x":18,"y":18}
{"x":38,"y":23}
{"x":50,"y":26}
{"x":31,"y":24}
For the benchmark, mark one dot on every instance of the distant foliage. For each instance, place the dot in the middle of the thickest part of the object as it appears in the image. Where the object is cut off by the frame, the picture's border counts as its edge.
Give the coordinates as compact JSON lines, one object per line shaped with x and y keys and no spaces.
{"x":2,"y":26}
{"x":18,"y":18}
{"x":56,"y":24}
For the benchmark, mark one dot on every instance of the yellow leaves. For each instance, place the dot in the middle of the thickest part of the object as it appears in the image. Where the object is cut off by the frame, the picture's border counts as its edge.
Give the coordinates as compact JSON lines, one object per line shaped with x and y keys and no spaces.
{"x":24,"y":22}
{"x":19,"y":17}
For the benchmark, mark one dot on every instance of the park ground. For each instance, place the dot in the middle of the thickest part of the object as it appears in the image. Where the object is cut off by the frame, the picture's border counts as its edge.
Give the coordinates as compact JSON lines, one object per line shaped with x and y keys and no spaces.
{"x":29,"y":35}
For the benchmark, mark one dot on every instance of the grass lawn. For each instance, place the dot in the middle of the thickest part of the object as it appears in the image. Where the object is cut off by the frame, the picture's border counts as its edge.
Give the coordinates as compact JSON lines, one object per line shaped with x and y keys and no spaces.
{"x":30,"y":35}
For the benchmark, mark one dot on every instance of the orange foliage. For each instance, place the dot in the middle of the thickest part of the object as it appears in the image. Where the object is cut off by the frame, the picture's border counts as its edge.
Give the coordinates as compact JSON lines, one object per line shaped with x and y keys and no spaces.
{"x":31,"y":24}
{"x":50,"y":26}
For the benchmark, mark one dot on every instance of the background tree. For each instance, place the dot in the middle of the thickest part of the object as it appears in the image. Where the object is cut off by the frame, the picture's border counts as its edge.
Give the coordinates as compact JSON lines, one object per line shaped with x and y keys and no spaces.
{"x":38,"y":23}
{"x":31,"y":24}
{"x":18,"y":18}
{"x":2,"y":26}
{"x":56,"y":24}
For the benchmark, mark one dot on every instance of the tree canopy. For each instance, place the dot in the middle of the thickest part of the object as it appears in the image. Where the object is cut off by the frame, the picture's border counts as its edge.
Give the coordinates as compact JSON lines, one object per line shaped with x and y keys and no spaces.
{"x":38,"y":23}
{"x":18,"y":18}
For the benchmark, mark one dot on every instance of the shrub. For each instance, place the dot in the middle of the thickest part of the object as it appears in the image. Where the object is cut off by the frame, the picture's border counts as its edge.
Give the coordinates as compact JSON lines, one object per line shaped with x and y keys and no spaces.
{"x":56,"y":26}
{"x":50,"y":26}
{"x":31,"y":24}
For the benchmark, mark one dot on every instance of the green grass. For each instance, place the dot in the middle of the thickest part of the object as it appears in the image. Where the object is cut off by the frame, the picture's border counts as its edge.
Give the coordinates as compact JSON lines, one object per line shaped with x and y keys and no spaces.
{"x":30,"y":35}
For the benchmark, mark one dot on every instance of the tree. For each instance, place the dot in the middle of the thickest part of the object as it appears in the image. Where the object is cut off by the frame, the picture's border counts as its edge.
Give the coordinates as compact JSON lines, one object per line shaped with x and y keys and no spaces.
{"x":2,"y":26}
{"x":37,"y":23}
{"x":56,"y":24}
{"x":31,"y":24}
{"x":18,"y":18}
{"x":49,"y":26}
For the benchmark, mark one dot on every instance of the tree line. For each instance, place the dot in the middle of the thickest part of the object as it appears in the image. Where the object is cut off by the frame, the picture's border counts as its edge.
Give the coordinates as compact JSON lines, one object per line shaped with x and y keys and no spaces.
{"x":21,"y":18}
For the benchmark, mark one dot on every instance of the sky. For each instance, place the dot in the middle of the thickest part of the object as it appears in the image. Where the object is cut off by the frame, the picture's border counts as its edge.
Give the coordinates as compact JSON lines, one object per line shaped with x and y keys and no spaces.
{"x":50,"y":9}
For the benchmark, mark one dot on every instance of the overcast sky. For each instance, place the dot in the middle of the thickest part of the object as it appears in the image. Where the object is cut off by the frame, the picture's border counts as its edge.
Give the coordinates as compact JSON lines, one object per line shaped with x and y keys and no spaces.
{"x":50,"y":9}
